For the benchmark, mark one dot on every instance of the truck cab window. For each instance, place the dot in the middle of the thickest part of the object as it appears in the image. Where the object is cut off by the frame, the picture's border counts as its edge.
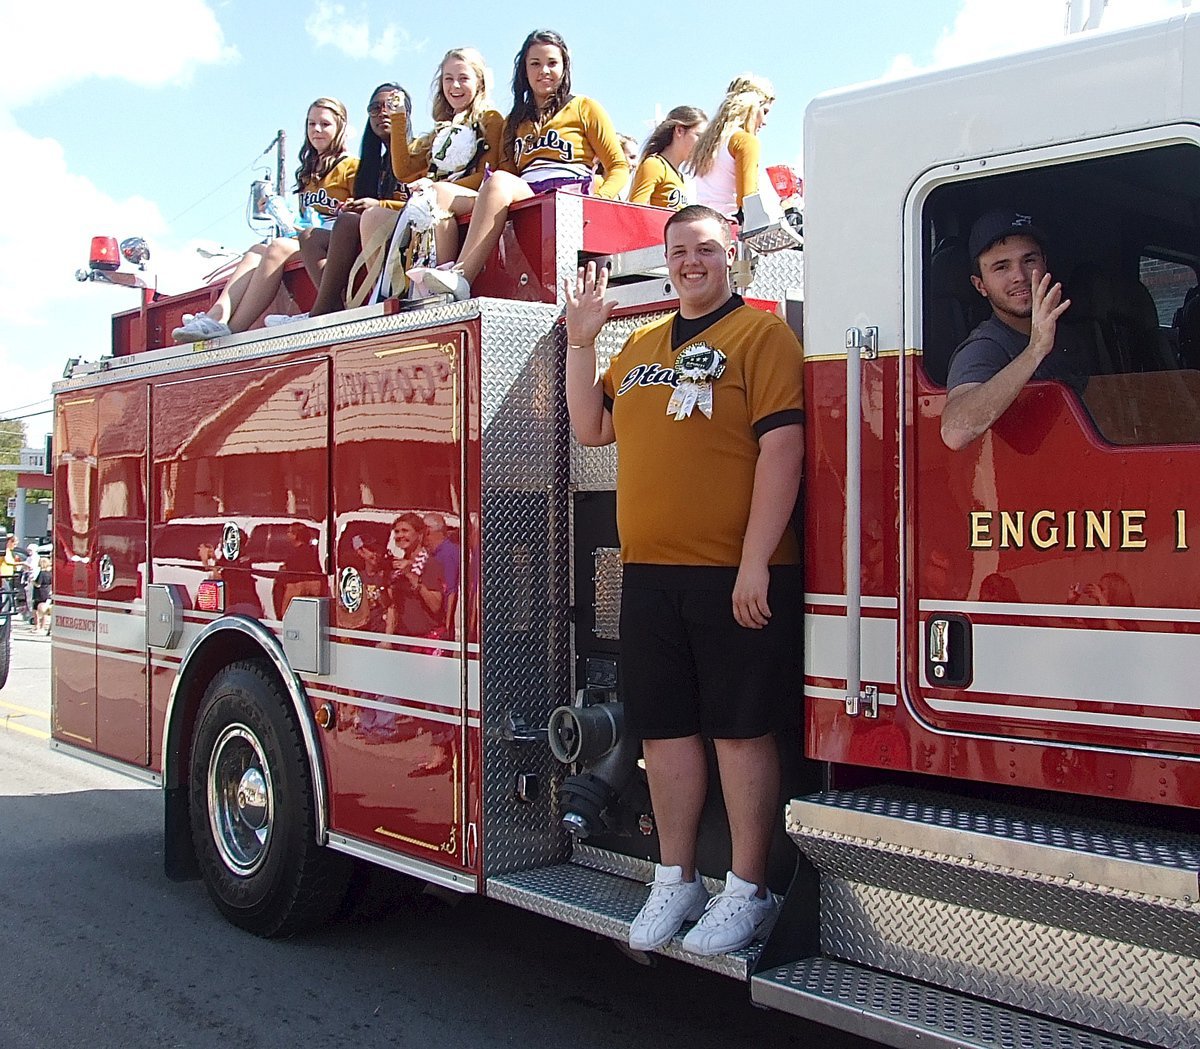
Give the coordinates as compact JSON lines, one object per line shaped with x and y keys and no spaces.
{"x":1122,"y":236}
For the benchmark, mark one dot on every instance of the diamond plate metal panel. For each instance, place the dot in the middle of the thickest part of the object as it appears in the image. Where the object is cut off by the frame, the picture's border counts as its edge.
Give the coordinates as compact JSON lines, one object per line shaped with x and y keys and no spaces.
{"x":1091,"y":837}
{"x":777,"y":274}
{"x":632,"y":867}
{"x":903,"y":890}
{"x":525,"y":574}
{"x":876,"y":1005}
{"x":1144,"y":994}
{"x":1153,"y":922}
{"x":607,"y":578}
{"x":602,"y":903}
{"x":568,"y":240}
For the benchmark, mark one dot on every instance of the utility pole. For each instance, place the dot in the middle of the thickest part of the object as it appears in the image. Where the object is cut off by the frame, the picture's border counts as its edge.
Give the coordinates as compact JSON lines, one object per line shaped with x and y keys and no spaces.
{"x":280,"y":151}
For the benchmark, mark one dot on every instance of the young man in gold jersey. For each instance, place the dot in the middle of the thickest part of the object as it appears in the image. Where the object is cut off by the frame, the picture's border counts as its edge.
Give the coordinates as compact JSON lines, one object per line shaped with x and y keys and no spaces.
{"x":707,"y":407}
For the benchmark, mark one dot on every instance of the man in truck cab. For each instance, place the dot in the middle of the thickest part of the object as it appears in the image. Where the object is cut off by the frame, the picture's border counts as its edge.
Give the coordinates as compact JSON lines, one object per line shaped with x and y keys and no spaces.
{"x":706,"y":407}
{"x":1020,"y":341}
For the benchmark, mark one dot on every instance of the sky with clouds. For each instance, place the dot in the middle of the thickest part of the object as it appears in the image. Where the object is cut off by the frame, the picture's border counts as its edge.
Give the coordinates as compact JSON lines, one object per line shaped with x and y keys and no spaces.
{"x":149,"y":116}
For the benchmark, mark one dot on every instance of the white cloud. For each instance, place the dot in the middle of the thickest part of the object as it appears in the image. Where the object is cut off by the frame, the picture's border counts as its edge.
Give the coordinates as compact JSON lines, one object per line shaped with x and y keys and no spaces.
{"x":40,"y":248}
{"x":47,"y":316}
{"x":329,"y":25}
{"x":985,"y":29}
{"x":146,"y":42}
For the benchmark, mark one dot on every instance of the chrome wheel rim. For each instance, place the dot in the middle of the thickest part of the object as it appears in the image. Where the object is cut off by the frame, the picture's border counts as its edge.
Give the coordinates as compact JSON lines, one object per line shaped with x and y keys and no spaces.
{"x":241,"y":802}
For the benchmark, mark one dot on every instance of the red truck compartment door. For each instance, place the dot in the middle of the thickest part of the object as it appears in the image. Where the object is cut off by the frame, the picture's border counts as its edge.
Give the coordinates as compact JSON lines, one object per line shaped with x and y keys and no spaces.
{"x":73,"y":718}
{"x":119,"y":570}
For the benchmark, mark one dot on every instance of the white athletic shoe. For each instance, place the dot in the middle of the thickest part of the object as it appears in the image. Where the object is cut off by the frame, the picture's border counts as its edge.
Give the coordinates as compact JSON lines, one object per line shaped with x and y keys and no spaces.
{"x":672,"y":902}
{"x":732,"y":919}
{"x":198,"y":327}
{"x":273,"y":320}
{"x":442,"y":282}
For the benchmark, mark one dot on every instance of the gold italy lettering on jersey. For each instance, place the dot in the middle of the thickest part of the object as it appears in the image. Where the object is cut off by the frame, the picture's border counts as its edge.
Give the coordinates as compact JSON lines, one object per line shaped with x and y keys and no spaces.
{"x":550,"y":140}
{"x":1066,"y":529}
{"x":319,"y":199}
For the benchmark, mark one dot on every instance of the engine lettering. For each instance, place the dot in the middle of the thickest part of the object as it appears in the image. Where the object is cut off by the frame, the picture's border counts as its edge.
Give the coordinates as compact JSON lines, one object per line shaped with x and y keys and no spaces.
{"x":1065,"y":530}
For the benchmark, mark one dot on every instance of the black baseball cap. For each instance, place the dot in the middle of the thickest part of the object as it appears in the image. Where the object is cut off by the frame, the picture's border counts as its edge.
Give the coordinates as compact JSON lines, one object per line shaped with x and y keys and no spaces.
{"x":997,"y":225}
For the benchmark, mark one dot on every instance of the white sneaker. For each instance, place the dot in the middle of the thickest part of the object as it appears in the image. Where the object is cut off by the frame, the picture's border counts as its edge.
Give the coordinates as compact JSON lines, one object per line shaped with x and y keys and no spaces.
{"x":200,"y":327}
{"x":180,"y":334}
{"x":273,"y":320}
{"x":442,"y":282}
{"x":733,"y":918}
{"x":672,"y":902}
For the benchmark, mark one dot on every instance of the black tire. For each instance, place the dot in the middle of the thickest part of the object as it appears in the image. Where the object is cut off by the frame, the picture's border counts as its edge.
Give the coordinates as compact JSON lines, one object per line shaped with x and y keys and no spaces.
{"x":252,"y":809}
{"x":5,"y":648}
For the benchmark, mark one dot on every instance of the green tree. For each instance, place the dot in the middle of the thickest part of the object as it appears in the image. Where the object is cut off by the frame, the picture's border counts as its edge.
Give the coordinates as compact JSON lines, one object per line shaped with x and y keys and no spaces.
{"x":12,"y":440}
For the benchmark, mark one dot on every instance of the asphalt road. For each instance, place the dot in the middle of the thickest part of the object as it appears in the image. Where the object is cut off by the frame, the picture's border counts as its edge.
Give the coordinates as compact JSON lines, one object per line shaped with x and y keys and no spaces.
{"x":98,"y":949}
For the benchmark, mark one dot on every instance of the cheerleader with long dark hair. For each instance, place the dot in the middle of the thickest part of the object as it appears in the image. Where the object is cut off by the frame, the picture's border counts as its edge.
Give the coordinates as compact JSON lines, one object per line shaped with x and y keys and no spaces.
{"x":552,"y":140}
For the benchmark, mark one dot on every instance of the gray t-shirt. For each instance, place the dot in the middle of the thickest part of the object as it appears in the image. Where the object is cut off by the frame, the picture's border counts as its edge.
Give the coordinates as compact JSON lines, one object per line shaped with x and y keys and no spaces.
{"x":993,"y":345}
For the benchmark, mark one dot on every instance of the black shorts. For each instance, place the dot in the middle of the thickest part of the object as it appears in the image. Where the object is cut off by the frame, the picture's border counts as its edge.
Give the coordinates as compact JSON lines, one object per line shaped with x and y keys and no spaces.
{"x":688,"y":668}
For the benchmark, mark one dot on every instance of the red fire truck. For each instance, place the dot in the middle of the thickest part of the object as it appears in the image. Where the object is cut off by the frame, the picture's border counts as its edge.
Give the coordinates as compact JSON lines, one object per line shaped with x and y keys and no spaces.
{"x":989,"y":834}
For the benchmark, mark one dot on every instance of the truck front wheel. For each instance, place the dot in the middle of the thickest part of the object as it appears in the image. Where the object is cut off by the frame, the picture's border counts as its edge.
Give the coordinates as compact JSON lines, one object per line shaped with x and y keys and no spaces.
{"x":252,"y":809}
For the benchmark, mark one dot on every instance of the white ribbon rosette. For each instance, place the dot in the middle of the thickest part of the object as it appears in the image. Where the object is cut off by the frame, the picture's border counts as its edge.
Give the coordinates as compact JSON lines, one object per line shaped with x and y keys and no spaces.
{"x":453,"y":150}
{"x":696,"y":369}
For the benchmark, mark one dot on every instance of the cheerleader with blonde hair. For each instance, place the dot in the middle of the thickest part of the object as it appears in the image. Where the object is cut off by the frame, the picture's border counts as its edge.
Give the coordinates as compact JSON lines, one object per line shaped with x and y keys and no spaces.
{"x":441,"y":171}
{"x":726,"y":158}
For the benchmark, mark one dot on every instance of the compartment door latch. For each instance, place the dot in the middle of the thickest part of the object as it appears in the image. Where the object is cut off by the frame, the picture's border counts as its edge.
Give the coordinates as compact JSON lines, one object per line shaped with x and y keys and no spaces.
{"x":949,"y":655}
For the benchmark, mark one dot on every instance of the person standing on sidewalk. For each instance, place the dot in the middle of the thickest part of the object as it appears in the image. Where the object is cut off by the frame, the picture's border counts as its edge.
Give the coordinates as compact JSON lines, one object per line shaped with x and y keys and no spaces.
{"x":32,"y":571}
{"x":706,"y":406}
{"x":8,"y":569}
{"x":42,"y":593}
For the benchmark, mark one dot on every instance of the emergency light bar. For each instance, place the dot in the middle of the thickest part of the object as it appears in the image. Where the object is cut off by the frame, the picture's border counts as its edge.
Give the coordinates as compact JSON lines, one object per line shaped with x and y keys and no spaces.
{"x":105,"y":255}
{"x":105,"y":258}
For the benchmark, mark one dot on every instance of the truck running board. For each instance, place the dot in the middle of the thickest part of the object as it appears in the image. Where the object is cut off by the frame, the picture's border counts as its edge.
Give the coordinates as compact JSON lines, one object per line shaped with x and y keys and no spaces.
{"x":909,"y":1015}
{"x":603,"y":891}
{"x":1090,"y":924}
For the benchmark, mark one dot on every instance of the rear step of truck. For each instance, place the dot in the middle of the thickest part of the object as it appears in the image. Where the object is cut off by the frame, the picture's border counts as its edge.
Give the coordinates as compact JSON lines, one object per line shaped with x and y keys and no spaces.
{"x":909,"y":1015}
{"x":603,"y":891}
{"x":949,"y":921}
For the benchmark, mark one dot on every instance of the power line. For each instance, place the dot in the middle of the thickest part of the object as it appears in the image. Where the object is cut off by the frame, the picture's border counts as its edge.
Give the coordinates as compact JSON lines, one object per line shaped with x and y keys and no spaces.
{"x":219,"y":219}
{"x":22,"y":407}
{"x":196,"y":203}
{"x":240,"y":171}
